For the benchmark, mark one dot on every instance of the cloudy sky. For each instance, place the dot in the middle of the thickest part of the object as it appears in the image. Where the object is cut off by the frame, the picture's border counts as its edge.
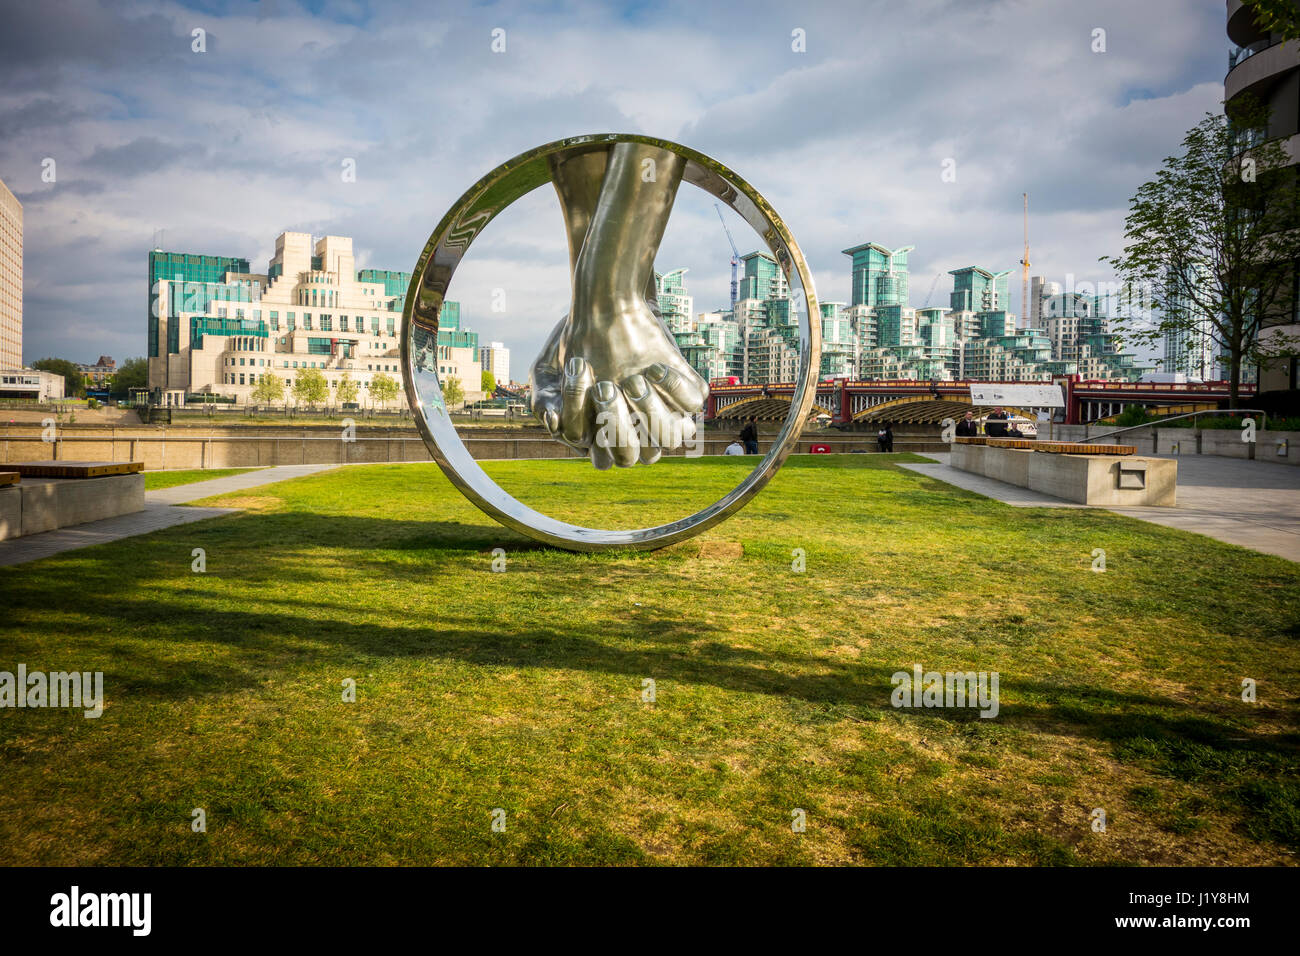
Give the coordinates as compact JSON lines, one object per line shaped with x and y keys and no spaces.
{"x":222,"y":150}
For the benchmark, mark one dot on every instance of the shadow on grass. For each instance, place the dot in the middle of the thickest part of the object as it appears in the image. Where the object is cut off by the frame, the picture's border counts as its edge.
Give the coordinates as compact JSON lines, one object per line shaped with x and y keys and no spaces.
{"x":1256,"y":772}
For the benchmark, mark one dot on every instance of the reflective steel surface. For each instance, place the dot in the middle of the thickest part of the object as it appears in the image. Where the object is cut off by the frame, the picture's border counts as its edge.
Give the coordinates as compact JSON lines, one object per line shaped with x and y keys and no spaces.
{"x":610,"y":380}
{"x":617,"y":263}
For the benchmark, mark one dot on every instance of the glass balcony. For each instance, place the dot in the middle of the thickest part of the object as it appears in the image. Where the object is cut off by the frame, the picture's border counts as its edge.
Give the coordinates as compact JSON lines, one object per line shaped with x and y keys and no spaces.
{"x":1240,"y":54}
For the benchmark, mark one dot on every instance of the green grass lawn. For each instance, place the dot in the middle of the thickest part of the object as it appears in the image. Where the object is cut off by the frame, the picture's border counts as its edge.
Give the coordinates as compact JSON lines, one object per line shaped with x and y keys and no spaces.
{"x":153,"y":480}
{"x":523,"y":690}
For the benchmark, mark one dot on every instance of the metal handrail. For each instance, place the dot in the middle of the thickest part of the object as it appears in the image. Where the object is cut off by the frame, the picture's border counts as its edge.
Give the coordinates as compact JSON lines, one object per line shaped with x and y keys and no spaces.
{"x":1173,"y":418}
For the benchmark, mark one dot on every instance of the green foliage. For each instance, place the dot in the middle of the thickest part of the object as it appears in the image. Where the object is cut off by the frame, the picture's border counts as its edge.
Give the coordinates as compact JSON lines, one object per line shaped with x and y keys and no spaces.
{"x":347,"y":389}
{"x":1211,"y":240}
{"x":1132,"y":415}
{"x":488,"y":383}
{"x":1277,"y":16}
{"x":74,"y":383}
{"x":310,"y":387}
{"x":268,"y":390}
{"x":383,"y":389}
{"x":452,"y":392}
{"x":1234,"y":422}
{"x":133,"y":373}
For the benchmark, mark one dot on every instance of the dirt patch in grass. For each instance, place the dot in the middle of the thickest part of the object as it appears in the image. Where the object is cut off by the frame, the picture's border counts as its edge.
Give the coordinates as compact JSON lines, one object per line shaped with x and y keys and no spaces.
{"x":250,"y":502}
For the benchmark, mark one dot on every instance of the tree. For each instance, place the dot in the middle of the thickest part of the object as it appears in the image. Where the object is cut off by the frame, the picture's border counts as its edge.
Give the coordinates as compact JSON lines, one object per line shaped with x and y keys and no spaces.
{"x":133,"y":373}
{"x":268,"y":390}
{"x":1277,"y":16}
{"x":1212,"y":241}
{"x":383,"y":389}
{"x":74,"y":383}
{"x":452,"y":392}
{"x":347,"y":389}
{"x":309,"y":386}
{"x":489,"y":383}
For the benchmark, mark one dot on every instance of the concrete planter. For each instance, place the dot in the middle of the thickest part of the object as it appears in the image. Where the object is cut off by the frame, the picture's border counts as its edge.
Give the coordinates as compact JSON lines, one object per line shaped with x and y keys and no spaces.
{"x":1283,"y":448}
{"x":1102,"y":480}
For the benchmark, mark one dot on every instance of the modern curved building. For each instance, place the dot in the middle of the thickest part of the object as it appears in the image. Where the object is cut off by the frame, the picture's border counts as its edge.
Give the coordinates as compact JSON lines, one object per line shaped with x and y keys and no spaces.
{"x":1264,"y":65}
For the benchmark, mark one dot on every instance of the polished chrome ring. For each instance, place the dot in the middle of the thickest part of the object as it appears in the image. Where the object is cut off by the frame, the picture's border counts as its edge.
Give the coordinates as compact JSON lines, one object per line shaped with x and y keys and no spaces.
{"x":432,"y":276}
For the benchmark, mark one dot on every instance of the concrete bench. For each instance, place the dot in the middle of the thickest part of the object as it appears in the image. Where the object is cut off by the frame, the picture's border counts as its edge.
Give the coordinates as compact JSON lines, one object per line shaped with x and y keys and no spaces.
{"x":1108,"y":479}
{"x":46,"y":495}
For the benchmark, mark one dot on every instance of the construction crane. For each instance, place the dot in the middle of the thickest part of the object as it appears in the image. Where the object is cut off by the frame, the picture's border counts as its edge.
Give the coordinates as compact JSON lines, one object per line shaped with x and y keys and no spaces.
{"x":1024,"y":272}
{"x":735,"y":259}
{"x":930,"y":295}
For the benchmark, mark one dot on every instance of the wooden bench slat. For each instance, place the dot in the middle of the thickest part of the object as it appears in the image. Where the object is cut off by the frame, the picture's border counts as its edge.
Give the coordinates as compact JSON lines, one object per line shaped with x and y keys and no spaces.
{"x":75,"y":469}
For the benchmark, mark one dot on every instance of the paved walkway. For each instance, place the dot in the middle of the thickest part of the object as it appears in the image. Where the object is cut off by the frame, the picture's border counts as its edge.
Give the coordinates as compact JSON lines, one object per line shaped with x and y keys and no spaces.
{"x":1254,"y":504}
{"x":1012,"y":495}
{"x":160,"y":512}
{"x":220,"y":486}
{"x":155,"y":517}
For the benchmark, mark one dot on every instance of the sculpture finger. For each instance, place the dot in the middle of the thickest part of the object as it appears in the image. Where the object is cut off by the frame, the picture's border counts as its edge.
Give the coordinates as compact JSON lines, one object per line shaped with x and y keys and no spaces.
{"x":657,"y":425}
{"x":685,"y":392}
{"x":613,"y":431}
{"x":574,"y":422}
{"x":547,"y":381}
{"x":547,"y":400}
{"x":550,"y":418}
{"x":687,"y":427}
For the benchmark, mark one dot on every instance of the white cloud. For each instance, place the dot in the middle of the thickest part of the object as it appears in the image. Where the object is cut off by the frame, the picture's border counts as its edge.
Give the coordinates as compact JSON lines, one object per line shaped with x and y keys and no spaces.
{"x":226,"y":149}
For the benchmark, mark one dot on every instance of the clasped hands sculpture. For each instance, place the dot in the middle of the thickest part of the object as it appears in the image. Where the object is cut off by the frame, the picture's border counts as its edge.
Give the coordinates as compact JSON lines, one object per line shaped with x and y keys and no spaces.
{"x":610,"y":380}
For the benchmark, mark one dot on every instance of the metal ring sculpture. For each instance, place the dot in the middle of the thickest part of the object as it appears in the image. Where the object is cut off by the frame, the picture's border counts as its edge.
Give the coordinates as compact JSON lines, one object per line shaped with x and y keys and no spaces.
{"x":432,"y":277}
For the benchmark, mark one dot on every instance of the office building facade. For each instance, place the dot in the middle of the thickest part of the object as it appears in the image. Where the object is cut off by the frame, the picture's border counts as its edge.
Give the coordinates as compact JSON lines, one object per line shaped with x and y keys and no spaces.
{"x":11,"y":280}
{"x":880,"y":274}
{"x":215,"y":327}
{"x":495,"y":358}
{"x":978,"y":290}
{"x":880,"y":336}
{"x":100,"y":374}
{"x":676,"y":304}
